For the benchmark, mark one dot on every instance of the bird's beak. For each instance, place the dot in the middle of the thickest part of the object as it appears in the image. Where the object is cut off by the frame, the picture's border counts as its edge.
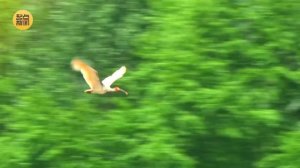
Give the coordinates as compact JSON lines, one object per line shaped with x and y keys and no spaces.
{"x":124,"y":91}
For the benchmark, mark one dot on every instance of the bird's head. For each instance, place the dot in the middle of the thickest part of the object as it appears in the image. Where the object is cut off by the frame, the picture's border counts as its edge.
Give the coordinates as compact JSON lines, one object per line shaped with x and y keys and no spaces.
{"x":117,"y":89}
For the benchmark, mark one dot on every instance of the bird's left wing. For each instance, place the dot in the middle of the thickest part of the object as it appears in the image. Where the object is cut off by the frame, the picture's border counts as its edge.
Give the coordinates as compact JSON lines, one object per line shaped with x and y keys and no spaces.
{"x":89,"y":74}
{"x":115,"y":76}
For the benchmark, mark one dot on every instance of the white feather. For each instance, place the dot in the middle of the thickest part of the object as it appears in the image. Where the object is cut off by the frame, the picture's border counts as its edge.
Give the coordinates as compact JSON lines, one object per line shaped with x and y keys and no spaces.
{"x":115,"y":76}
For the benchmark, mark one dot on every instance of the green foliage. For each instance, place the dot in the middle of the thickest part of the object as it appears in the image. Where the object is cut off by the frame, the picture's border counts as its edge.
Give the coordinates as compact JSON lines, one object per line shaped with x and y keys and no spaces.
{"x":286,"y":154}
{"x":211,"y":84}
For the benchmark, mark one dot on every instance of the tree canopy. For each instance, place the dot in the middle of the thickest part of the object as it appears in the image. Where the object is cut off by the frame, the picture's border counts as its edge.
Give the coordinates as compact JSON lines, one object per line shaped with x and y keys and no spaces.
{"x":211,"y":84}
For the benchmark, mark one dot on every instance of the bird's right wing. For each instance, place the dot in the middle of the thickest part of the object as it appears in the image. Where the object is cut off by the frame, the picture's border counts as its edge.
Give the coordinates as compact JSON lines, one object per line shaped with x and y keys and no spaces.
{"x":115,"y":76}
{"x":89,"y":74}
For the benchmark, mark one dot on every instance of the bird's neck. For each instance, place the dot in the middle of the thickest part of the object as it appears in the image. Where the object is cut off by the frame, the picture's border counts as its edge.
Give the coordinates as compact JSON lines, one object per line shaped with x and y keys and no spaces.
{"x":109,"y":89}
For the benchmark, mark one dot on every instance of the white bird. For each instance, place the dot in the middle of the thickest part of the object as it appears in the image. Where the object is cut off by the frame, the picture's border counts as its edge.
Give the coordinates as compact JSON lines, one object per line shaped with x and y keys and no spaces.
{"x":91,"y":77}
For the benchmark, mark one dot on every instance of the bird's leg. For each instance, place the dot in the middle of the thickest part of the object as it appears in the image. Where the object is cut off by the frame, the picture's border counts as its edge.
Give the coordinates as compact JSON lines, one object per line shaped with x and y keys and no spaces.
{"x":88,"y":91}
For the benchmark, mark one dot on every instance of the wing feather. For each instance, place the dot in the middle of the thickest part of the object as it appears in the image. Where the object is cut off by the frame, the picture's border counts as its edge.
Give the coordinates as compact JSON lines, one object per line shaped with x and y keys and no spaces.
{"x":89,"y":74}
{"x":115,"y":76}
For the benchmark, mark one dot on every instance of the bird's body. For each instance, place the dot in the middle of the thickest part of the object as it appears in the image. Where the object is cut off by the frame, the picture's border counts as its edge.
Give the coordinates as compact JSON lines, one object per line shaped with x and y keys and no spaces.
{"x":91,"y":77}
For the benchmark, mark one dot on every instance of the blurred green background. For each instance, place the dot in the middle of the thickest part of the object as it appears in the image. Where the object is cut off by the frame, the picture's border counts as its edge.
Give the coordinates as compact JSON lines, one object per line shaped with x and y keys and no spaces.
{"x":212,"y":84}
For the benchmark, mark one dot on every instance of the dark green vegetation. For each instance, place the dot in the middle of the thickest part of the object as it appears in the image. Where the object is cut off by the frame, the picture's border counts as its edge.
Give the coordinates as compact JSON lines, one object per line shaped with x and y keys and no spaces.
{"x":211,"y":84}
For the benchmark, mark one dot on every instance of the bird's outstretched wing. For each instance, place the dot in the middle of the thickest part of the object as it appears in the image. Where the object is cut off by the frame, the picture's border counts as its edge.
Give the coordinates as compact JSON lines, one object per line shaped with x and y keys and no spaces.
{"x":115,"y":76}
{"x":89,"y":74}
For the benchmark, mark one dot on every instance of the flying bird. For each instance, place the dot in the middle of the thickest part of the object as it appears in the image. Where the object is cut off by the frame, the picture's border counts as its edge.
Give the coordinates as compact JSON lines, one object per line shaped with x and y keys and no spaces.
{"x":92,"y":79}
